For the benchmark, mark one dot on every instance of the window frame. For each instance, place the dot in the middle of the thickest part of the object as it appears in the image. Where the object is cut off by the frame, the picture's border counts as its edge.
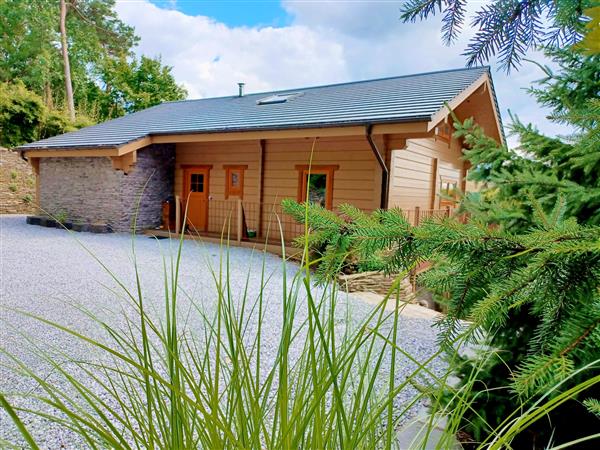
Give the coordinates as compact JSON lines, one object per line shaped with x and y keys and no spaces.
{"x":451,"y":181}
{"x":444,"y":132}
{"x":328,"y":170}
{"x":230,"y":190}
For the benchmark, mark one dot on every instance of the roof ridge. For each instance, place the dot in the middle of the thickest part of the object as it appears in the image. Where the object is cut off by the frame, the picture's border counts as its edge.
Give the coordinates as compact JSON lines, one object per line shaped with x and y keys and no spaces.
{"x":345,"y":83}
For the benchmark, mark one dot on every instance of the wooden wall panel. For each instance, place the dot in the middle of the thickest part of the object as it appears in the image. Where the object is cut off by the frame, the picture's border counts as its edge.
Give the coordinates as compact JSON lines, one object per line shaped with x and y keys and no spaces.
{"x":217,"y":154}
{"x":413,"y":171}
{"x":357,"y":181}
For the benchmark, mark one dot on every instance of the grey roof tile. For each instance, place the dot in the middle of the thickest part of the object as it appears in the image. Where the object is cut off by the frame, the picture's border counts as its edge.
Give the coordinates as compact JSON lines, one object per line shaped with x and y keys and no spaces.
{"x":395,"y":99}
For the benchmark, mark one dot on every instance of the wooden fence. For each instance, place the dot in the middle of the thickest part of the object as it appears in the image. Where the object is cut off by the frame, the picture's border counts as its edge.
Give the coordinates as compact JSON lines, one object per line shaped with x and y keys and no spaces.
{"x":241,"y":220}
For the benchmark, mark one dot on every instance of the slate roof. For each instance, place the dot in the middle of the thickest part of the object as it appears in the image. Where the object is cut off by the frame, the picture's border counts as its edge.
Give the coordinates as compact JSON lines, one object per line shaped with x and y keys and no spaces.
{"x":395,"y":99}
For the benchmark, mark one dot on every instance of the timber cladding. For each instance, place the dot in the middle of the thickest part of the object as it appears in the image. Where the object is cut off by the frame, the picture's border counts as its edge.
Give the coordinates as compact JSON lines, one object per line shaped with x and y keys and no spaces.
{"x":357,"y":174}
{"x":417,"y":171}
{"x":220,"y":155}
{"x":357,"y":178}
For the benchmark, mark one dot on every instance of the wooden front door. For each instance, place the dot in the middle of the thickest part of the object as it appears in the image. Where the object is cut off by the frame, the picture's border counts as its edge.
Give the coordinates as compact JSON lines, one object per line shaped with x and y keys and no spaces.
{"x":195,"y":182}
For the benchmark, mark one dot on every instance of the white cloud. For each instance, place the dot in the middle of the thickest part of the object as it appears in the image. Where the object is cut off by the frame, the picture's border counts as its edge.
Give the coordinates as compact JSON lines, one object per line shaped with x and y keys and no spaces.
{"x":209,"y":58}
{"x":326,"y":42}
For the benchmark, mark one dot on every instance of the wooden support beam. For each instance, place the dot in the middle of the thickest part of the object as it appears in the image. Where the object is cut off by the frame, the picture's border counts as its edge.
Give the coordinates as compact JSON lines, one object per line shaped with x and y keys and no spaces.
{"x":178,"y":217}
{"x":239,"y":221}
{"x":264,"y":134}
{"x":135,"y":145}
{"x":71,"y":153}
{"x":464,"y":169}
{"x":434,"y":183}
{"x":125,"y":162}
{"x":407,"y":129}
{"x":35,"y":165}
{"x":443,"y":113}
{"x":411,"y":129}
{"x":261,"y":172}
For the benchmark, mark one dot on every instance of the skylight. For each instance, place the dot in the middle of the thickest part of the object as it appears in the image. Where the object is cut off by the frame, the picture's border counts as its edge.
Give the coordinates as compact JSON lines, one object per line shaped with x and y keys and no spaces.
{"x":278,"y":98}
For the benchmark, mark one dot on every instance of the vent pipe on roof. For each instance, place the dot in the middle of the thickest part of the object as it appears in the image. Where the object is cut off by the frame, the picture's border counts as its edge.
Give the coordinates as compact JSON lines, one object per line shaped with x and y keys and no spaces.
{"x":241,"y":89}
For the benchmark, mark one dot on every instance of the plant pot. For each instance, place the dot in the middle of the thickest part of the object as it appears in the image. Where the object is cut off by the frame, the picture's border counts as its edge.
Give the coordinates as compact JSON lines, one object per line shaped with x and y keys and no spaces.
{"x":251,"y":233}
{"x":79,"y":227}
{"x":48,"y":222}
{"x":33,"y":220}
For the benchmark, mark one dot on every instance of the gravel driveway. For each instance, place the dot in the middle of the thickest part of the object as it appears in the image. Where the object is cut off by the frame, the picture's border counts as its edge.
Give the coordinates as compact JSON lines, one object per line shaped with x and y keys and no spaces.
{"x":44,"y":269}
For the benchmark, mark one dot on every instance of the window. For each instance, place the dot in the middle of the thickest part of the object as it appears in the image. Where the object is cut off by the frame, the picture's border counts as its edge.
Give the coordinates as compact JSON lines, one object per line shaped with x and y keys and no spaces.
{"x":278,"y":98}
{"x":317,"y":188}
{"x":315,"y":184}
{"x":444,"y":132}
{"x":197,"y":182}
{"x":234,"y":180}
{"x":448,"y":192}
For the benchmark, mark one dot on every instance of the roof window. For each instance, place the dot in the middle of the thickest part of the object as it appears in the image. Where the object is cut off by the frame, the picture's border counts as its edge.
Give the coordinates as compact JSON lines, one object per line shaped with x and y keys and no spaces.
{"x":278,"y":98}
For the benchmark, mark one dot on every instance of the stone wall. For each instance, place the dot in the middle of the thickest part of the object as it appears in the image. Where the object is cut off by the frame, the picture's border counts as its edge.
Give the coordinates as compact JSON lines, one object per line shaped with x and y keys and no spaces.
{"x":377,"y":282}
{"x":153,"y":179}
{"x":88,"y":189}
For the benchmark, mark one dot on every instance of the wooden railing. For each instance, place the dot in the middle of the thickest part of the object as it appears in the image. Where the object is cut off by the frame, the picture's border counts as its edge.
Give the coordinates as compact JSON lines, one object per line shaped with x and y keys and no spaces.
{"x":242,"y":220}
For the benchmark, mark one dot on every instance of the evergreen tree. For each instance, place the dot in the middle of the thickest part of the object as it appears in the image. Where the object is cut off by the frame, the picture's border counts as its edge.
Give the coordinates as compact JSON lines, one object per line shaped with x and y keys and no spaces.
{"x":508,"y":28}
{"x":543,"y":167}
{"x":525,"y":271}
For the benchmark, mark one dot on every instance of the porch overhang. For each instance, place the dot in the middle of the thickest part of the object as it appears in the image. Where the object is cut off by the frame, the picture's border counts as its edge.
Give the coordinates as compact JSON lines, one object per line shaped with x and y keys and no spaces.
{"x":403,"y":129}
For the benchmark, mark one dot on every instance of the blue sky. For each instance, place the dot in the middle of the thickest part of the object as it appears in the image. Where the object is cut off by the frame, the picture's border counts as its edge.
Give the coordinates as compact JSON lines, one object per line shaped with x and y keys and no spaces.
{"x":288,"y":44}
{"x":233,"y":12}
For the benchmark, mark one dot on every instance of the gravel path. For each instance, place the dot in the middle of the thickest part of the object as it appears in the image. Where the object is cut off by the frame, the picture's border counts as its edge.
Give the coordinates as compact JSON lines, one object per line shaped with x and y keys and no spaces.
{"x":43,"y":270}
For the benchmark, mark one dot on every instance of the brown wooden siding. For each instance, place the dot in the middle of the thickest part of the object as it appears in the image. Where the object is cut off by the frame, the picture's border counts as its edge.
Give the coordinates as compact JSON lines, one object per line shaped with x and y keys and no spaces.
{"x":356,"y":181}
{"x":219,"y":154}
{"x":412,"y":172}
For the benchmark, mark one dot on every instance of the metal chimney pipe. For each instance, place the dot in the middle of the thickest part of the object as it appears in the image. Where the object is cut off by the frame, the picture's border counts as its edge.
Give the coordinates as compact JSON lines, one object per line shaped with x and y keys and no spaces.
{"x":241,"y":89}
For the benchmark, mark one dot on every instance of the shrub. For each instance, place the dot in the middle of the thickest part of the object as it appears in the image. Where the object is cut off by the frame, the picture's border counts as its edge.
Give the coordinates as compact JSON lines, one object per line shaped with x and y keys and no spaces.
{"x":12,"y":187}
{"x":21,"y":114}
{"x":27,"y":198}
{"x":329,"y":238}
{"x":61,"y":217}
{"x":57,"y":122}
{"x":25,"y":118}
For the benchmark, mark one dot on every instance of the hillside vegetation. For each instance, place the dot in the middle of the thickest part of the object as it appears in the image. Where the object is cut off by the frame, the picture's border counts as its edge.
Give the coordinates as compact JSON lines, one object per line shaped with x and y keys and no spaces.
{"x":17,"y":186}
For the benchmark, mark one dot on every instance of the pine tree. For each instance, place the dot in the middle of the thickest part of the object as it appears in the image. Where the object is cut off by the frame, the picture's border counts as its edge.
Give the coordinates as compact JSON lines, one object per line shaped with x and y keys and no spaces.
{"x":525,"y":270}
{"x":543,"y":167}
{"x":508,"y":29}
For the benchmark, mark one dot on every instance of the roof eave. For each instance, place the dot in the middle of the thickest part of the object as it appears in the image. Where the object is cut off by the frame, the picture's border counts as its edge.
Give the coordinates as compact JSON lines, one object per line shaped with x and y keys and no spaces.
{"x":147,"y":139}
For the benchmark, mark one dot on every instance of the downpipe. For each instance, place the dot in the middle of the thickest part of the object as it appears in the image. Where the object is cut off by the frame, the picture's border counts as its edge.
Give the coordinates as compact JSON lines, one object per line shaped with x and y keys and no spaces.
{"x":385,"y":173}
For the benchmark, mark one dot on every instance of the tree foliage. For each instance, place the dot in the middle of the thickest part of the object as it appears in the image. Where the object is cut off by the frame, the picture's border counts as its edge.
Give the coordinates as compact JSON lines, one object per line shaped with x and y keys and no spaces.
{"x":330,"y":238}
{"x":525,"y":271}
{"x":532,"y":298}
{"x":506,"y":28}
{"x":25,"y":118}
{"x":542,"y":167}
{"x":108,"y":79}
{"x":136,"y":85}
